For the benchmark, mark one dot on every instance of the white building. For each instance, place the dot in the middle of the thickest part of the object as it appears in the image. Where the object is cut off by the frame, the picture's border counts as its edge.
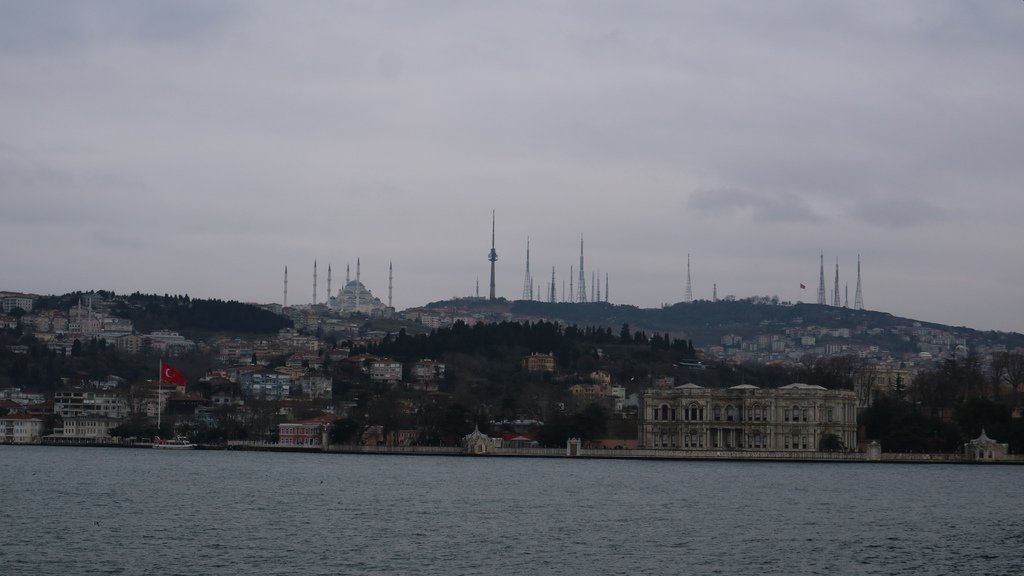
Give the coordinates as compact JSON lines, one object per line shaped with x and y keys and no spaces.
{"x":70,"y":403}
{"x":21,"y":429}
{"x":386,"y":371}
{"x":793,"y":417}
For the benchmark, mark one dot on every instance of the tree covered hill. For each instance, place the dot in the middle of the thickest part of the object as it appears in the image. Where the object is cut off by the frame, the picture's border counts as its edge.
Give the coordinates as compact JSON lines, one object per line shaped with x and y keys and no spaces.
{"x":705,"y":322}
{"x":150,"y":312}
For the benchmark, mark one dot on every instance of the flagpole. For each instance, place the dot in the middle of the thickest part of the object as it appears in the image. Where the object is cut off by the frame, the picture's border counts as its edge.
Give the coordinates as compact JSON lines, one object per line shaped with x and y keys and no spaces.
{"x":159,"y":395}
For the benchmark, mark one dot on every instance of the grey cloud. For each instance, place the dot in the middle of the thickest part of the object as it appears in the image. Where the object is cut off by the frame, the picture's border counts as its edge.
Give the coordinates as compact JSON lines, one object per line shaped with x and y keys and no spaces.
{"x":899,"y":211}
{"x":762,"y":206}
{"x":49,"y":26}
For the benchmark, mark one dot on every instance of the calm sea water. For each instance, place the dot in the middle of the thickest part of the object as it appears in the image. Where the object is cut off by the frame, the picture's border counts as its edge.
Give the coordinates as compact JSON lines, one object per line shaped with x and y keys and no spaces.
{"x":70,"y":511}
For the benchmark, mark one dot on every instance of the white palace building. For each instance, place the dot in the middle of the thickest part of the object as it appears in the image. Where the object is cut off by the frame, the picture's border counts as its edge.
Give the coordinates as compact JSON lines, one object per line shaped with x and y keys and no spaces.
{"x":745,"y":418}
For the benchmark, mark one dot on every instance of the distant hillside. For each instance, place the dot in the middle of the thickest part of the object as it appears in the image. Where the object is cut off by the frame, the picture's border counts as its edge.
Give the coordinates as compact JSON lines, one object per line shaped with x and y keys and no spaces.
{"x":705,"y":322}
{"x":150,"y":312}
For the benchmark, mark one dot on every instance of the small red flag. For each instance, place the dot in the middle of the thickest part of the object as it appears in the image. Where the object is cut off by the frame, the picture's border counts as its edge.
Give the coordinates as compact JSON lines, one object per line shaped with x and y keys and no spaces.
{"x":171,"y":374}
{"x":802,"y":287}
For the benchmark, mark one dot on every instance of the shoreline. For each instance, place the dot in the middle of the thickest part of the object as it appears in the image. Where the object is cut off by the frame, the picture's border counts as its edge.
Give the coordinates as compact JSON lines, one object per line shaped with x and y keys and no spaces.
{"x":583,"y":453}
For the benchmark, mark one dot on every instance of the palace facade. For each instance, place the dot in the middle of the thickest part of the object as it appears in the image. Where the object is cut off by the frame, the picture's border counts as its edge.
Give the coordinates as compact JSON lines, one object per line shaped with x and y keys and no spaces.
{"x":793,"y":417}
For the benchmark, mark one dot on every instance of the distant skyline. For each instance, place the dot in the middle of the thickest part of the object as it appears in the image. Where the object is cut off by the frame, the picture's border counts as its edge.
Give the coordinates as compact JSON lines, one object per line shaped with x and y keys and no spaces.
{"x":199,"y":147}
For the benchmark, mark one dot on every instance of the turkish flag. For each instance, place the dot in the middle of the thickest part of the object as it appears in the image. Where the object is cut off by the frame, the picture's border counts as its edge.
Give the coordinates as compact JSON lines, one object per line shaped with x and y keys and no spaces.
{"x":171,"y":374}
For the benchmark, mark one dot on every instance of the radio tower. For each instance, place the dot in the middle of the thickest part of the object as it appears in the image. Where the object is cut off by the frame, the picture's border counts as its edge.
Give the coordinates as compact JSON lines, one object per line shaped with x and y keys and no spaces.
{"x":821,"y":281}
{"x":835,"y":291}
{"x":605,"y":286}
{"x":689,"y":285}
{"x":581,"y":285}
{"x":492,"y":256}
{"x":858,"y":296}
{"x":598,"y":286}
{"x":552,"y":298}
{"x":328,"y":283}
{"x":285,"y":287}
{"x":570,"y":293}
{"x":593,"y":298}
{"x":527,"y":280}
{"x":314,"y":282}
{"x":390,"y":278}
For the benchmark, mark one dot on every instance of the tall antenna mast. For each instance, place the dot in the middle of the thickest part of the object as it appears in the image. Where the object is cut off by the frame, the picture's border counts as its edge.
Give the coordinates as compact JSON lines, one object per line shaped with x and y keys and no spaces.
{"x":858,"y":296}
{"x":689,"y":284}
{"x":571,"y":293}
{"x":285,"y":287}
{"x":714,"y":292}
{"x":314,"y":282}
{"x":477,"y":286}
{"x":835,"y":290}
{"x":581,"y":286}
{"x":821,"y":281}
{"x":846,"y":299}
{"x":390,"y":278}
{"x":552,"y":298}
{"x":598,"y":287}
{"x":492,"y":256}
{"x":605,"y":286}
{"x":527,"y":280}
{"x":592,"y":298}
{"x":328,"y":283}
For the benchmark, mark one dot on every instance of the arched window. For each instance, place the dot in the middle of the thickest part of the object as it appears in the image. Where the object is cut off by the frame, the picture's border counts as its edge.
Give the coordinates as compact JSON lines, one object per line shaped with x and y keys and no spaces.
{"x":757,"y":412}
{"x":796,"y":414}
{"x":664,"y":411}
{"x":730,"y":413}
{"x":695,"y":412}
{"x":717,"y":412}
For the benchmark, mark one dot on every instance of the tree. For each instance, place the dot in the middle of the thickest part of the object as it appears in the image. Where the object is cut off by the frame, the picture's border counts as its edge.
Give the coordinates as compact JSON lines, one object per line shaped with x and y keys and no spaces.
{"x":831,"y":443}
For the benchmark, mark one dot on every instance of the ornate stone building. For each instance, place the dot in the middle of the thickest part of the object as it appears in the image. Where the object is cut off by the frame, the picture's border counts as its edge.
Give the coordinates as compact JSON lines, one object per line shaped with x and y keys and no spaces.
{"x":793,"y":417}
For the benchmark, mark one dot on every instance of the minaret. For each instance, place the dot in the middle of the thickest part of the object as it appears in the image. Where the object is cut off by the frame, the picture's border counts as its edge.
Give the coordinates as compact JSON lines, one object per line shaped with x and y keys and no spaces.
{"x":285,"y":287}
{"x":492,"y":256}
{"x":835,"y":290}
{"x":314,"y":282}
{"x":390,"y":278}
{"x":348,"y":277}
{"x":527,"y":280}
{"x":858,"y":296}
{"x":821,"y":281}
{"x":359,"y":291}
{"x":328,"y":283}
{"x":581,"y":286}
{"x":689,"y":285}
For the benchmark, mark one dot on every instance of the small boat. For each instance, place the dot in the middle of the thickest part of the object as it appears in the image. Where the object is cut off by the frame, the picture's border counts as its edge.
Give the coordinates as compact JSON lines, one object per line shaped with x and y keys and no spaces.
{"x":176,"y":443}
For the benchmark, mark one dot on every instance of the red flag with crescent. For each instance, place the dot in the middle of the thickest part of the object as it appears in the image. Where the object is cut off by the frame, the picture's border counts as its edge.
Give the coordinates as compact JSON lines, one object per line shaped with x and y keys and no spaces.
{"x":171,"y":374}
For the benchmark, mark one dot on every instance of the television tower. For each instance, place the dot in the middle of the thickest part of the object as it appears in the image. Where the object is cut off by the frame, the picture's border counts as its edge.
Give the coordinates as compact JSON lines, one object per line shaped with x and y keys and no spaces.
{"x":598,"y":286}
{"x":527,"y":280}
{"x":493,"y":256}
{"x":714,"y":292}
{"x":314,"y":282}
{"x":285,"y":287}
{"x":605,"y":286}
{"x":581,"y":285}
{"x":858,"y":296}
{"x":390,"y":278}
{"x":835,"y":290}
{"x":689,"y":285}
{"x":592,"y":297}
{"x":328,"y":283}
{"x":821,"y":281}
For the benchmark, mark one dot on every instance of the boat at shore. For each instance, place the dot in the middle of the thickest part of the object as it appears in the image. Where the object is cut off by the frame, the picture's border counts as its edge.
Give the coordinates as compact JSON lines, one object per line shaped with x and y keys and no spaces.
{"x":176,"y":443}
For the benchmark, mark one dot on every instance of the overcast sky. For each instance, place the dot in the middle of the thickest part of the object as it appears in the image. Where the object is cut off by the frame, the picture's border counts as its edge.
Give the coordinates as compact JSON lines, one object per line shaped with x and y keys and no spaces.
{"x":200,"y":147}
